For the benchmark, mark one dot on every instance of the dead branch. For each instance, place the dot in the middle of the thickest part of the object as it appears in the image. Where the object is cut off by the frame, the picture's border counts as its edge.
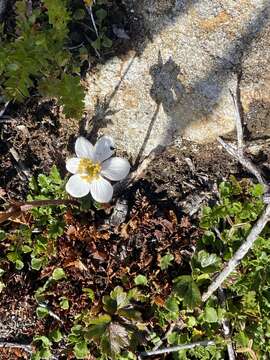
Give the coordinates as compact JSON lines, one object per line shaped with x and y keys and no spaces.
{"x":226,"y":326}
{"x":238,"y":153}
{"x":240,"y":253}
{"x":178,"y":347}
{"x":243,"y":161}
{"x":9,"y":345}
{"x":21,"y":168}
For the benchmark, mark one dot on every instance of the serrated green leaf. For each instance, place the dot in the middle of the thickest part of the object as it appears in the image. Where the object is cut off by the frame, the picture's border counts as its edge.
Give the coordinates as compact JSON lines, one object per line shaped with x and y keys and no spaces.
{"x":166,"y":261}
{"x":257,"y":190}
{"x":140,"y":280}
{"x":186,"y":288}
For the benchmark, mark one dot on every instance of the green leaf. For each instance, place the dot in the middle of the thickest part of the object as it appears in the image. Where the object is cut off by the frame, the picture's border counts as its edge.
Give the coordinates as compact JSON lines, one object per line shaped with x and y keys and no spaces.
{"x":101,"y":14}
{"x":106,"y":42}
{"x":58,"y":274}
{"x":129,"y":313}
{"x":141,"y":280}
{"x":166,"y":261}
{"x":79,"y":14}
{"x":42,"y":312}
{"x":225,"y":189}
{"x":209,"y":238}
{"x":56,"y":335}
{"x":241,"y":339}
{"x":192,"y":322}
{"x":115,"y":339}
{"x":109,"y":304}
{"x":257,"y":190}
{"x":171,"y":304}
{"x":19,"y":264}
{"x":55,"y":175}
{"x":90,"y":293}
{"x":95,"y":332}
{"x":12,"y":256}
{"x":26,"y":249}
{"x":186,"y":288}
{"x":45,"y":354}
{"x":81,"y":350}
{"x":2,"y":235}
{"x":210,"y":315}
{"x":64,"y":303}
{"x":102,"y":319}
{"x":36,"y":263}
{"x":207,"y":260}
{"x":119,"y":296}
{"x":46,"y":342}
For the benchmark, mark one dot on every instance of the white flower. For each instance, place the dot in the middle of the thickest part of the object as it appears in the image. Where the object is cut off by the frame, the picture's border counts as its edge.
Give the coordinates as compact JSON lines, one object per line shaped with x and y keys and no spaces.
{"x":92,"y":167}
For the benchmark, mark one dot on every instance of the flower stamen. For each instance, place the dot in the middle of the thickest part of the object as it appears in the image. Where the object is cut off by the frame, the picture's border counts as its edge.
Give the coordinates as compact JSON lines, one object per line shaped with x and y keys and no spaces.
{"x":88,"y":169}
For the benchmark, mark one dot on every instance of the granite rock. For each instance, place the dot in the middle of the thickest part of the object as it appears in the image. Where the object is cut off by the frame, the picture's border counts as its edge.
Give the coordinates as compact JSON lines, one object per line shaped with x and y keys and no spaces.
{"x":174,"y":83}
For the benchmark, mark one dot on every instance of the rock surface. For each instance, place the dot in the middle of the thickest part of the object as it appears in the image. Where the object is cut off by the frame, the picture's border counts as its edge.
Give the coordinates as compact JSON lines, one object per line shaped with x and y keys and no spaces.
{"x":175,"y":81}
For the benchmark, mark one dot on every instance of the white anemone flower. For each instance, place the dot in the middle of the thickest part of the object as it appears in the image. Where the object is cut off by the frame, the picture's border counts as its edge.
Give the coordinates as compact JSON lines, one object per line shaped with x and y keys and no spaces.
{"x":93,"y":167}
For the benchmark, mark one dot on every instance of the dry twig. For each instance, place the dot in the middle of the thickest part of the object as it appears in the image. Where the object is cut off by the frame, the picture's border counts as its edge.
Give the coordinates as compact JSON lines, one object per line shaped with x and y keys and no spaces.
{"x":240,"y":253}
{"x":260,"y":224}
{"x":238,"y":153}
{"x":9,"y":345}
{"x":178,"y":347}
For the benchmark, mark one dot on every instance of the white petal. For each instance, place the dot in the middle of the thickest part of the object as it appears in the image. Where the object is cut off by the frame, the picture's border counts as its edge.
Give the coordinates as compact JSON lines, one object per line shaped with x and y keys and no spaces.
{"x":77,"y":187}
{"x":84,"y":149}
{"x":104,"y":148}
{"x":115,"y":168}
{"x":72,"y":165}
{"x":101,"y":190}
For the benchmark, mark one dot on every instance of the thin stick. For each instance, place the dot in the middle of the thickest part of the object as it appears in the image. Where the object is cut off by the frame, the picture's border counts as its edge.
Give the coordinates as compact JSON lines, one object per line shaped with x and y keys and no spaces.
{"x":226,"y":325}
{"x":243,"y":161}
{"x":20,"y":165}
{"x":240,"y":253}
{"x":2,"y":112}
{"x":90,"y":12}
{"x":238,"y":122}
{"x":26,"y":348}
{"x":178,"y":347}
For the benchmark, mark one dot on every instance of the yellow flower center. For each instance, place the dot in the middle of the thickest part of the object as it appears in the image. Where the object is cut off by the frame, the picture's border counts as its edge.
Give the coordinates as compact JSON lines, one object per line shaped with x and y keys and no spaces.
{"x":88,"y":169}
{"x":89,"y":2}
